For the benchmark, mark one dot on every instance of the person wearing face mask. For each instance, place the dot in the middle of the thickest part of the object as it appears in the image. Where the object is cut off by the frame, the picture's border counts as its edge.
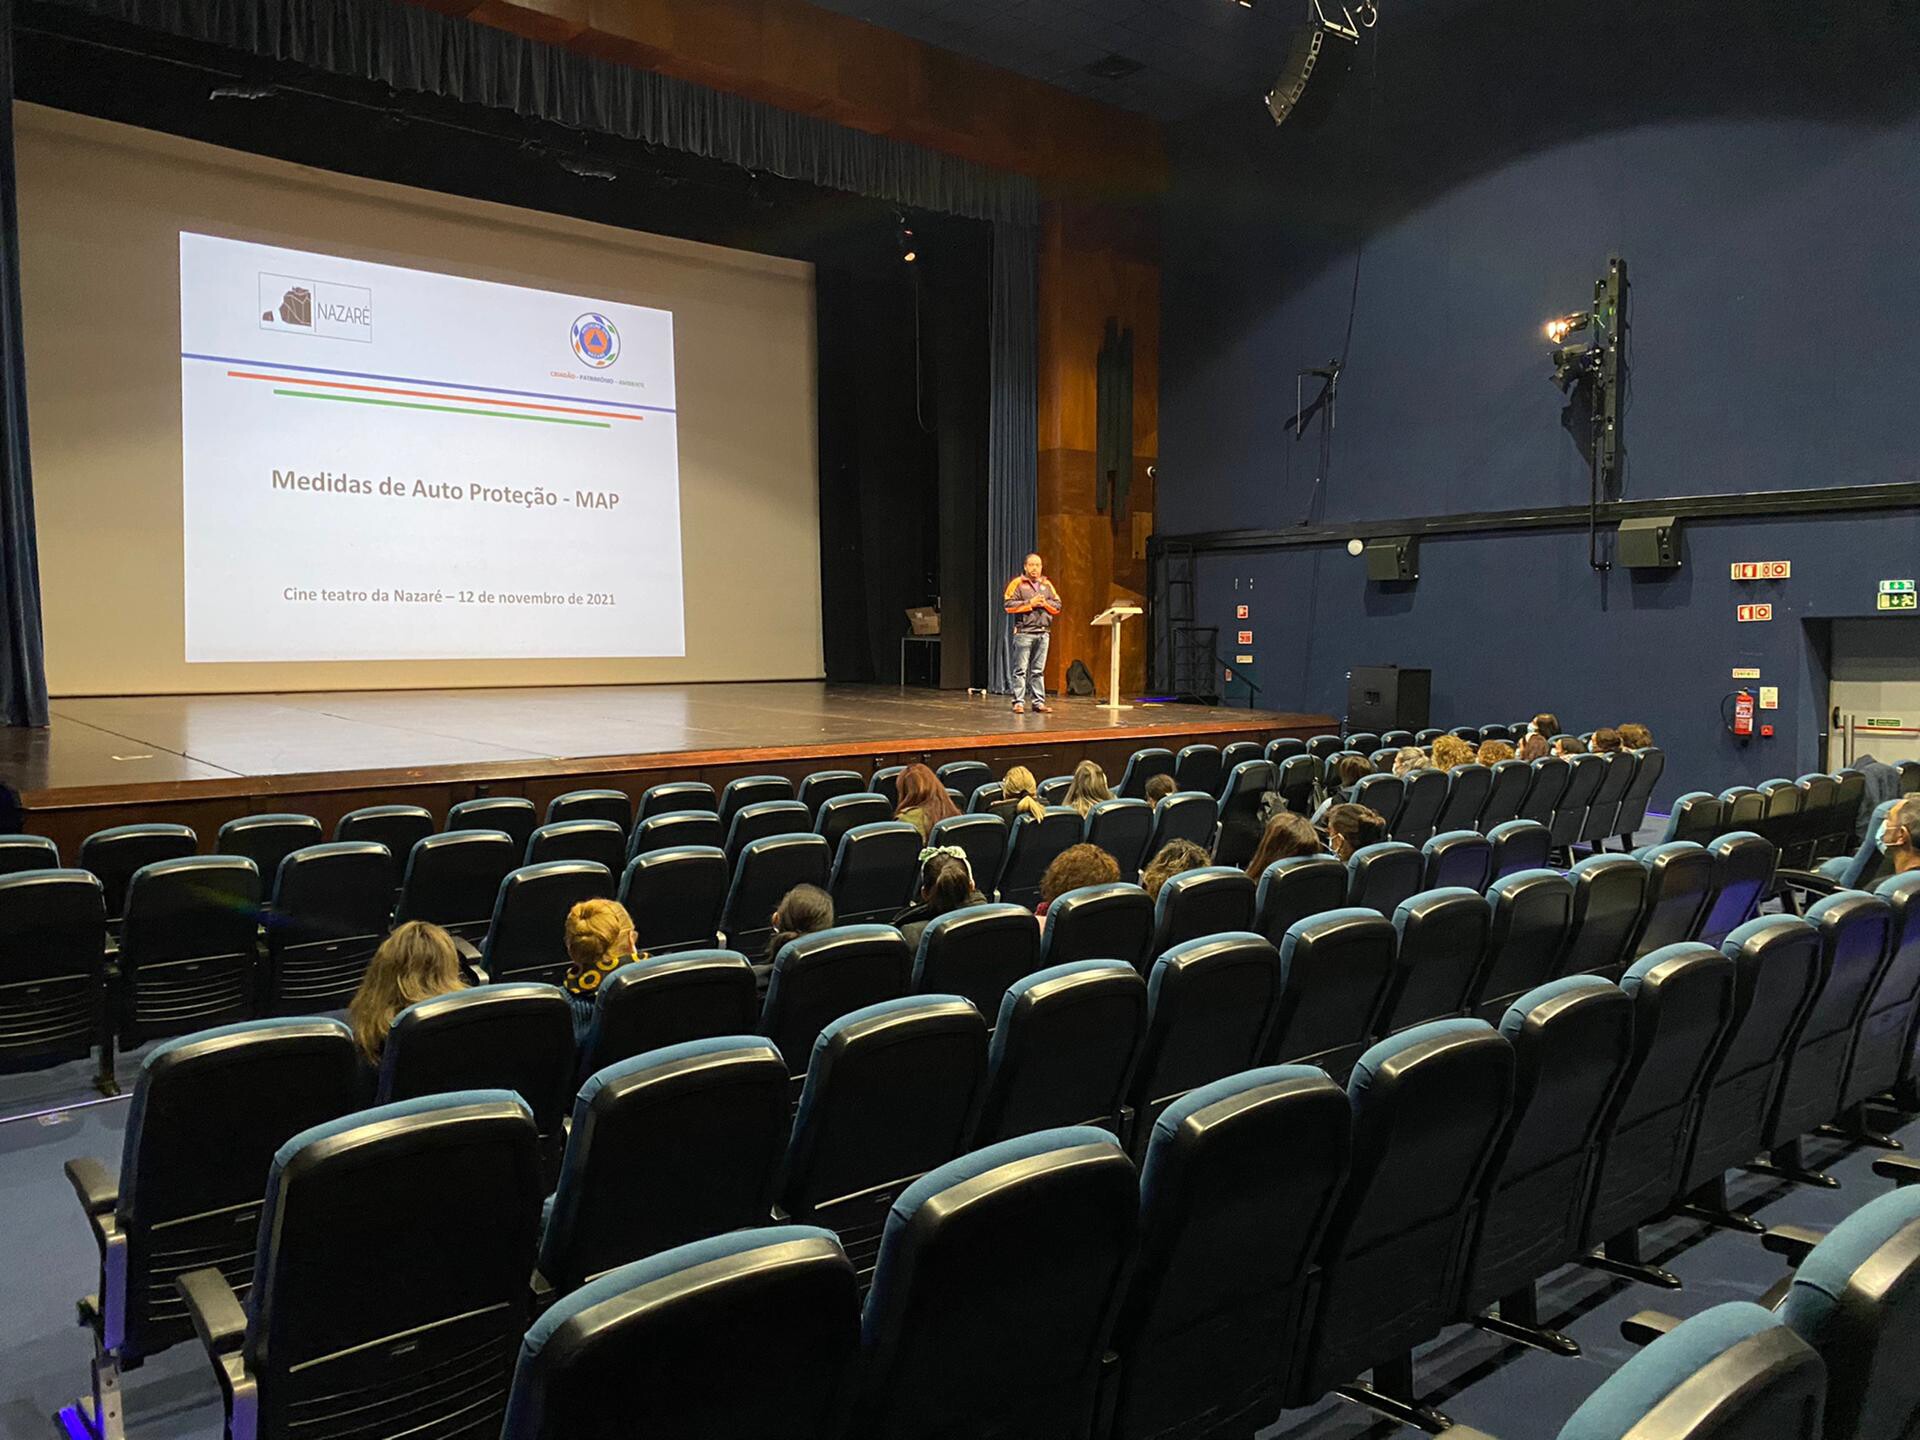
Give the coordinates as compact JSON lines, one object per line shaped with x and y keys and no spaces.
{"x":1900,"y":835}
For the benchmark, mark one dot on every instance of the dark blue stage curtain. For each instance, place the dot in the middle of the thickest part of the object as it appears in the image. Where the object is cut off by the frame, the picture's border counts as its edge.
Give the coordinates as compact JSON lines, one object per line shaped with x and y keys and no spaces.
{"x":413,"y":48}
{"x":23,"y":671}
{"x":1013,"y":429}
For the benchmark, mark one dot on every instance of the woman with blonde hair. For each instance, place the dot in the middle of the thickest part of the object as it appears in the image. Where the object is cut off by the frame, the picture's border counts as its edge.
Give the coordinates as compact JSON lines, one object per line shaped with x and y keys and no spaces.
{"x":1088,"y":789}
{"x":600,"y":939}
{"x":1023,"y":790}
{"x":1451,"y":750}
{"x":1492,"y":752}
{"x":1409,"y":759}
{"x":416,"y":962}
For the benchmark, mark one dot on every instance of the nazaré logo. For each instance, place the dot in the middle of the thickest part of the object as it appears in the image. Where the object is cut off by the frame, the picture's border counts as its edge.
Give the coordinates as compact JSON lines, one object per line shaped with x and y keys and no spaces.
{"x":595,"y":340}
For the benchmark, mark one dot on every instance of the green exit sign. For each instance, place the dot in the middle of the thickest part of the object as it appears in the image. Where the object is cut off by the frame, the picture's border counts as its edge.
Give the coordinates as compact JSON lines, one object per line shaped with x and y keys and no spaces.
{"x":1907,"y":601}
{"x":1896,"y":587}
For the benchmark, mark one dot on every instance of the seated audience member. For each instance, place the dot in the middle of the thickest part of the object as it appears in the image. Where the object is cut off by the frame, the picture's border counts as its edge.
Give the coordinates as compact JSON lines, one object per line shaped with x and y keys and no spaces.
{"x":1546,"y":725}
{"x":1072,"y":868}
{"x":1175,"y":857}
{"x":1349,"y":771}
{"x":1533,"y":747}
{"x":1606,"y":740}
{"x":1088,"y":789}
{"x":1410,"y":758}
{"x":416,"y":962}
{"x":1900,"y":835}
{"x":1566,"y":745}
{"x":1019,"y":795}
{"x":1451,"y":750}
{"x":801,"y":911}
{"x":600,"y":939}
{"x":1635,"y":737}
{"x":1351,"y":827}
{"x":1159,"y":787}
{"x":1286,"y":835}
{"x":946,"y":883}
{"x":1492,"y":752}
{"x":924,"y":801}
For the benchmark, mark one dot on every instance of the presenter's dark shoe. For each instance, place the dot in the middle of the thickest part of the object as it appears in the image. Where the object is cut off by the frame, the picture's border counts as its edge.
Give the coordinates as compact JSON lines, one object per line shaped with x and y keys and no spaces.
{"x":1039,"y":705}
{"x":1018,"y":708}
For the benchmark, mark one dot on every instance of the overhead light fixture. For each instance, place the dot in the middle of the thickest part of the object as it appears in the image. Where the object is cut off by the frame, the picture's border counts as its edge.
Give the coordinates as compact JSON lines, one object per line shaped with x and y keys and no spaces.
{"x":1562,"y":326}
{"x":909,"y":247}
{"x":241,"y":91}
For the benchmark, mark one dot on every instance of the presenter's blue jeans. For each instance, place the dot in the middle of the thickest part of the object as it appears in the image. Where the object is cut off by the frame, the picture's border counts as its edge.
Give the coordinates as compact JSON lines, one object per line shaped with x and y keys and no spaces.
{"x":1030,"y":666}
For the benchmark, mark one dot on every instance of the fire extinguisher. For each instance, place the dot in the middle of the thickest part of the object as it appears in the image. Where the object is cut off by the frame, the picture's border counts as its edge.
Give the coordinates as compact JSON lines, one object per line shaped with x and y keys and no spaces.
{"x":1740,"y":721}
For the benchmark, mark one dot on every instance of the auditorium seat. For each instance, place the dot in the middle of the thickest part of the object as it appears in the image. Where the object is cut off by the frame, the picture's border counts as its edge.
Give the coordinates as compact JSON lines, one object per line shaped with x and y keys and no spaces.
{"x":766,"y":870}
{"x":1122,"y":829}
{"x":1032,"y":845}
{"x":1098,"y":922}
{"x":209,"y":1111}
{"x":824,"y":785}
{"x":1743,"y":874}
{"x":1639,"y":794}
{"x":527,"y":937}
{"x":874,"y":871}
{"x":1336,"y":976}
{"x":989,"y":799}
{"x":1238,"y":752}
{"x":1184,"y":815}
{"x":1680,"y":889}
{"x":1294,"y":888}
{"x":1745,"y":809}
{"x":1683,"y":1007}
{"x":761,"y":819}
{"x":1383,"y":794}
{"x":1585,"y":775}
{"x":1366,"y":742}
{"x":1429,"y":1107}
{"x":610,"y":805}
{"x":1381,"y":876}
{"x":1609,"y":892}
{"x":1295,"y":780}
{"x":1572,"y":1039}
{"x":983,"y":838}
{"x":1400,"y":739}
{"x":1457,"y":857}
{"x":751,"y":790}
{"x":187,"y":947}
{"x":1424,"y":797}
{"x":329,"y":914}
{"x":890,"y":1089}
{"x":1495,"y":732}
{"x":114,"y":854}
{"x":600,"y":841}
{"x":837,"y":814}
{"x":53,"y":943}
{"x":977,"y":951}
{"x":1603,"y":809}
{"x":667,"y":1146}
{"x":1382,"y":759}
{"x":516,"y":1037}
{"x":1777,"y":973}
{"x":1781,"y":821}
{"x":1142,"y":766}
{"x":1284,"y":749}
{"x":452,"y":880}
{"x":1053,"y":790}
{"x":1850,"y":790}
{"x":1819,"y":824}
{"x":1241,"y":795}
{"x":1239,"y":1181}
{"x":496,"y":812}
{"x":1210,"y":1005}
{"x":966,"y":776}
{"x":1062,"y":1050}
{"x":667,"y":1327}
{"x":1468,"y":787}
{"x":1551,"y":777}
{"x":1507,"y":785}
{"x":1212,"y":900}
{"x":264,"y":839}
{"x":441,"y":1197}
{"x":675,"y":796}
{"x":1197,"y":767}
{"x":948,"y":1347}
{"x":1866,"y":867}
{"x":398,"y":827}
{"x":1519,"y":845}
{"x":1696,"y":816}
{"x":818,"y":978}
{"x":675,"y":897}
{"x":886,"y":783}
{"x":1323,"y":746}
{"x":1885,"y":1037}
{"x":1531,"y":914}
{"x":1440,"y":941}
{"x":1910,"y":777}
{"x":657,"y":1002}
{"x":675,"y":830}
{"x":31,"y":852}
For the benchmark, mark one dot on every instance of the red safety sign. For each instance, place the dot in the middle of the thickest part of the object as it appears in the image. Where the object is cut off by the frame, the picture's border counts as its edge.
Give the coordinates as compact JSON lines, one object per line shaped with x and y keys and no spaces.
{"x":1762,"y":569}
{"x":1246,"y":637}
{"x":1754,"y":612}
{"x":1239,"y":612}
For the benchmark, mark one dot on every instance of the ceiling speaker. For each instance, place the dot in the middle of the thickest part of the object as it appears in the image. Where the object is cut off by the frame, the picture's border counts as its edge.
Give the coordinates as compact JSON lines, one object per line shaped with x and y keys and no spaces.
{"x":1318,"y":62}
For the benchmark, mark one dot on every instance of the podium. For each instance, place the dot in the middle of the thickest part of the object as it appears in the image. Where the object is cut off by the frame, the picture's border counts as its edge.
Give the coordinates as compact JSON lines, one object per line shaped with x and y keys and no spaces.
{"x":1112,"y":617}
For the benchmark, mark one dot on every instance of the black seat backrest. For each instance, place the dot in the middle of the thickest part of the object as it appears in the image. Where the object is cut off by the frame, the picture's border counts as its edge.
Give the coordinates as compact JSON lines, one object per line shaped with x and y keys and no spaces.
{"x":751,"y":790}
{"x":674,"y":796}
{"x":1551,"y":776}
{"x":1425,"y":796}
{"x":190,"y":1191}
{"x":1881,"y":1053}
{"x":1854,"y":929}
{"x":1468,"y":787}
{"x":527,"y":937}
{"x":1294,"y":888}
{"x":1142,"y":766}
{"x":766,"y":870}
{"x":510,"y":813}
{"x":966,"y":776}
{"x":1609,"y":892}
{"x":1295,"y":781}
{"x":114,"y":854}
{"x":874,"y":871}
{"x":666,"y":1147}
{"x":1910,"y":777}
{"x":1457,"y":858}
{"x":818,"y":978}
{"x":1212,"y":900}
{"x":609,"y":805}
{"x":1585,"y":774}
{"x":1210,"y":1005}
{"x":838,"y":814}
{"x":53,"y":941}
{"x":1122,"y":829}
{"x":1743,"y":865}
{"x":1285,"y":748}
{"x":1183,"y":815}
{"x":1197,"y":767}
{"x":1365,"y":741}
{"x":1507,"y":785}
{"x":1032,"y":845}
{"x":1321,"y":746}
{"x":824,"y":785}
{"x":398,"y":827}
{"x":266,"y":840}
{"x":1384,"y":794}
{"x":329,"y":914}
{"x":515,"y":1037}
{"x":982,"y":837}
{"x":1237,"y":752}
{"x":1381,"y":876}
{"x":1053,"y":790}
{"x":1098,"y":922}
{"x":1400,"y":739}
{"x":1639,"y":793}
{"x":1382,"y":758}
{"x":651,"y":1004}
{"x":1696,"y":816}
{"x":453,"y":879}
{"x":601,"y":841}
{"x":187,"y":946}
{"x":1849,"y":793}
{"x":1680,"y":887}
{"x":1745,"y":808}
{"x":1336,"y":973}
{"x":674,"y":897}
{"x":1531,"y":914}
{"x":675,"y":830}
{"x":444,"y":1191}
{"x":761,"y":819}
{"x":1519,"y":845}
{"x":1241,"y":796}
{"x":1441,"y":943}
{"x":991,"y":799}
{"x":35,"y":852}
{"x":977,"y":951}
{"x":1603,"y":810}
{"x":1062,"y":1050}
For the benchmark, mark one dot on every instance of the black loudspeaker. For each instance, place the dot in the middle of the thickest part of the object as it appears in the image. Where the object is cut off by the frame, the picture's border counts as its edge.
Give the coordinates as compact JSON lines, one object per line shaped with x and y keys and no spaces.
{"x":1385,"y":697}
{"x":1650,"y":544}
{"x":1395,"y":558}
{"x":1318,"y":61}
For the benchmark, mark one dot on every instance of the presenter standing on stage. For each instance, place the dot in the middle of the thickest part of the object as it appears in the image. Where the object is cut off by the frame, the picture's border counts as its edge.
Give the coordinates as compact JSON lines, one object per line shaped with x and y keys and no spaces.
{"x":1032,"y":602}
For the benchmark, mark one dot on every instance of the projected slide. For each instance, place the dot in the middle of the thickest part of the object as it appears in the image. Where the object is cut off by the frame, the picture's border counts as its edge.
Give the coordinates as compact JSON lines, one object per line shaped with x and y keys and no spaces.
{"x":390,"y":464}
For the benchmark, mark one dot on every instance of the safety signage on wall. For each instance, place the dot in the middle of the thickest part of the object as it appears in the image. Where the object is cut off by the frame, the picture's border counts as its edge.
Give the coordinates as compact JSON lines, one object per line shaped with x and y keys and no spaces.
{"x":1746,"y":672}
{"x":1769,"y":697}
{"x":1894,"y":601}
{"x":1246,"y":637}
{"x":1762,"y":569}
{"x":1896,"y":587}
{"x":1754,"y":612}
{"x":1240,"y":612}
{"x":1243,"y":659}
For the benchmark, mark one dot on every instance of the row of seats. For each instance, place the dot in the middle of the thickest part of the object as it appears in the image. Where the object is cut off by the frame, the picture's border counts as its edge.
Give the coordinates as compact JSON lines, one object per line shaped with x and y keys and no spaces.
{"x":1812,"y":818}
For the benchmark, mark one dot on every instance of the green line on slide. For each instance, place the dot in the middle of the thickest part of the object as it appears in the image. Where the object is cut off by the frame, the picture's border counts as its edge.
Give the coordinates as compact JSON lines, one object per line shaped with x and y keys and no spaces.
{"x":444,"y":409}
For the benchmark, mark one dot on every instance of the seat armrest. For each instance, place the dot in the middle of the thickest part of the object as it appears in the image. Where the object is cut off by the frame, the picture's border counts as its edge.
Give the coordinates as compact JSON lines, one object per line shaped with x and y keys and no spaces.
{"x":1795,"y":1242}
{"x":1901,"y":1169}
{"x":1646,"y":1326}
{"x":215,"y":1310}
{"x":97,"y":1190}
{"x":468,"y":952}
{"x":1805,"y":880}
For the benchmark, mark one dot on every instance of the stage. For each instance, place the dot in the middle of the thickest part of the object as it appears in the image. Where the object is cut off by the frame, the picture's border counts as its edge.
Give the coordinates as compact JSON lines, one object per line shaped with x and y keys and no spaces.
{"x":204,"y":759}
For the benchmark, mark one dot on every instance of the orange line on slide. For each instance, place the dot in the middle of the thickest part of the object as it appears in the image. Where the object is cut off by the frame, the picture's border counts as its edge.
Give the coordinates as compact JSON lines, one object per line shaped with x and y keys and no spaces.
{"x":427,"y":394}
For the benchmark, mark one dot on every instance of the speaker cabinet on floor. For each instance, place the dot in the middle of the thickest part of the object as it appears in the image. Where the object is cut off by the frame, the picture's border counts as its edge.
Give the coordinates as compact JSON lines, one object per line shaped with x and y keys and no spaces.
{"x":1385,"y":697}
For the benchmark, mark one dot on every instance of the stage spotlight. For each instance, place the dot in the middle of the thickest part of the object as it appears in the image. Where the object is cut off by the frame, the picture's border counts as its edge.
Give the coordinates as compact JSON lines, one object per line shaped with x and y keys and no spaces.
{"x":909,"y":247}
{"x":1562,"y":326}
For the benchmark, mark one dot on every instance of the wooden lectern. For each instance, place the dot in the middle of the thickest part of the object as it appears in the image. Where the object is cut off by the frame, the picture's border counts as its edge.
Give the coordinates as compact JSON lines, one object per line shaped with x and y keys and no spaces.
{"x":1111,"y":617}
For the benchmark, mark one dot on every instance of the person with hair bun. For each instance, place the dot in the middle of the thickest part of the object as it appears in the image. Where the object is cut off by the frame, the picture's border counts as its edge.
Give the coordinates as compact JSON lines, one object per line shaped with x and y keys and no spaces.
{"x":946,"y":884}
{"x":600,"y":939}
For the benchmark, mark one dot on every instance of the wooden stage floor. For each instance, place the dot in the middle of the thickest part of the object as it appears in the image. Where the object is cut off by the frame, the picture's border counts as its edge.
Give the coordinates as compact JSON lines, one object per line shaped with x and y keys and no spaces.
{"x":205,"y":758}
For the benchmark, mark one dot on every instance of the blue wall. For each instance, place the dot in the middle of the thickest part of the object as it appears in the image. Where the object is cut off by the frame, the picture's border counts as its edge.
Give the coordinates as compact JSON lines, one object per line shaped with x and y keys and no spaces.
{"x":1776,"y":346}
